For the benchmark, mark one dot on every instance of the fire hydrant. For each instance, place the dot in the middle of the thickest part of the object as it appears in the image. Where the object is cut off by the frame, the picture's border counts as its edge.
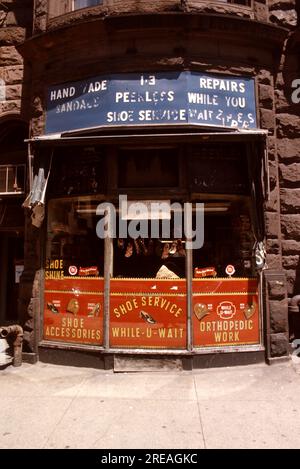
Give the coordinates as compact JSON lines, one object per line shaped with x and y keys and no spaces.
{"x":16,"y":332}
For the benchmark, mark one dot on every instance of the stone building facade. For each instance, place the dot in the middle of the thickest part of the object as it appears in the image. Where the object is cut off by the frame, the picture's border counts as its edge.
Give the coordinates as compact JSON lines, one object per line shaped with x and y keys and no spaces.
{"x":253,"y":39}
{"x":16,"y":26}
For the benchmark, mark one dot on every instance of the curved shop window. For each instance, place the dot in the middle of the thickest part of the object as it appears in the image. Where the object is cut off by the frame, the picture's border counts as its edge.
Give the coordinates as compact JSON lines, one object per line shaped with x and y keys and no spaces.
{"x":160,"y":292}
{"x":73,"y":300}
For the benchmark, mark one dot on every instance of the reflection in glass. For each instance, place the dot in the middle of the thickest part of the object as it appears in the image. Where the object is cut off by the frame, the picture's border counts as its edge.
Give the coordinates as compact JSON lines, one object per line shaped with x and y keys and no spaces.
{"x":86,"y":3}
{"x":72,"y":235}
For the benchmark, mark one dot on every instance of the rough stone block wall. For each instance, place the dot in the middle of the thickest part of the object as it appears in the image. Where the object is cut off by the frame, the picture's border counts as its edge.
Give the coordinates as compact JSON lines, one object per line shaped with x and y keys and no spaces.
{"x":289,"y":157}
{"x":266,"y":104}
{"x":275,"y":319}
{"x":288,"y":145}
{"x":43,"y":13}
{"x":222,"y":8}
{"x":124,"y":6}
{"x":15,"y":26}
{"x":275,"y":291}
{"x":283,"y":12}
{"x":40,"y":16}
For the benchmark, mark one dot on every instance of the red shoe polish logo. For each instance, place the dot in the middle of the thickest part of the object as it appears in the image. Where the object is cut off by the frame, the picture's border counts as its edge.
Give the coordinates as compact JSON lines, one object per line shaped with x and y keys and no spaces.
{"x":230,"y":270}
{"x":73,"y":270}
{"x":226,"y":310}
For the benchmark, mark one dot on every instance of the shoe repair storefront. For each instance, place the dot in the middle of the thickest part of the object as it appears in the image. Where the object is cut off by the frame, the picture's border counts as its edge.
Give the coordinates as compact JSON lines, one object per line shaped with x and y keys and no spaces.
{"x":153,"y":187}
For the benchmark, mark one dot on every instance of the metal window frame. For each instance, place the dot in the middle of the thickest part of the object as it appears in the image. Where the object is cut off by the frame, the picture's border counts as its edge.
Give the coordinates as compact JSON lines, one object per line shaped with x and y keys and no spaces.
{"x":15,"y":167}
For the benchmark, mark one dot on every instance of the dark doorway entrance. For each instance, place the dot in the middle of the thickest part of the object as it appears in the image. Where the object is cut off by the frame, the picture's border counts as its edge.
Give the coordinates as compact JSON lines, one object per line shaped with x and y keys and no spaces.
{"x":13,"y":160}
{"x":11,"y":266}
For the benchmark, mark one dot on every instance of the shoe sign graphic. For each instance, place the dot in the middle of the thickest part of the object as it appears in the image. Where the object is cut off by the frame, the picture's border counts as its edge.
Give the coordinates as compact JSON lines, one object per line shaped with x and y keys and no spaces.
{"x":147,"y":317}
{"x":52,"y":308}
{"x":95,"y":311}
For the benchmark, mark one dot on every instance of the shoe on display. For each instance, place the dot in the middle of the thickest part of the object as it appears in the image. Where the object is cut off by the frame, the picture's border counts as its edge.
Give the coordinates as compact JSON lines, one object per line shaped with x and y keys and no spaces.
{"x":173,"y":248}
{"x":147,"y":317}
{"x":165,"y":252}
{"x":52,"y":308}
{"x":129,"y":250}
{"x":94,"y":313}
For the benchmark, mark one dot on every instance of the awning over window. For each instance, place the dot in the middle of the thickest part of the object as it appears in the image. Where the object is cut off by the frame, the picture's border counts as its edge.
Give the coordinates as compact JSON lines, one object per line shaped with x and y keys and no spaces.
{"x":93,"y":136}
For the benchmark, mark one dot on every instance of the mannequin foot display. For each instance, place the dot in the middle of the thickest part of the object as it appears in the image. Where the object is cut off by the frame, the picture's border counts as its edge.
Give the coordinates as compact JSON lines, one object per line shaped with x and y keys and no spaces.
{"x":121,"y":243}
{"x":165,"y":252}
{"x":129,"y":250}
{"x":173,"y":248}
{"x":180,"y":251}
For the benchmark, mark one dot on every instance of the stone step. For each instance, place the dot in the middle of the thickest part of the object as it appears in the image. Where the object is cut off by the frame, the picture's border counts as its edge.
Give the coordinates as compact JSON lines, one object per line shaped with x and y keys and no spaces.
{"x":125,"y":364}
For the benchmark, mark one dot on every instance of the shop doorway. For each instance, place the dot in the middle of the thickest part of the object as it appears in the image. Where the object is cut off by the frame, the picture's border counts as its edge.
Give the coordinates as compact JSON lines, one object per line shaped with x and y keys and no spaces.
{"x":11,"y":267}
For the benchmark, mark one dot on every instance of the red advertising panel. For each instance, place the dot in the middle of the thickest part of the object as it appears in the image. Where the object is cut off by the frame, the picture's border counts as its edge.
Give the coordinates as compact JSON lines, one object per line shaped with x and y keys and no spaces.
{"x":226,"y":318}
{"x":225,"y":285}
{"x":73,"y":310}
{"x":152,"y":314}
{"x":148,"y":285}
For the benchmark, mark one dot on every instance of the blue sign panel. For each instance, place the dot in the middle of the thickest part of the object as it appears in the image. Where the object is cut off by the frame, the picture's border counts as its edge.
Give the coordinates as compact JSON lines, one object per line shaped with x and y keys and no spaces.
{"x":154,"y":98}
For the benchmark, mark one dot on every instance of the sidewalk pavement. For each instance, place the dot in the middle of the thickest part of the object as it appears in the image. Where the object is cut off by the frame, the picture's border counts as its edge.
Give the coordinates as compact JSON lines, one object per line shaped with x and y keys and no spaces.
{"x":51,"y":406}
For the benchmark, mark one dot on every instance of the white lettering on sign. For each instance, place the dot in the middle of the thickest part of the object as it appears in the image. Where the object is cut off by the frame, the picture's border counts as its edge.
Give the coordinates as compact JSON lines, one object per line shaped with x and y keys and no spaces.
{"x":164,"y":97}
{"x":122,"y":116}
{"x":235,"y":101}
{"x":150,"y":80}
{"x":148,"y":115}
{"x":222,"y":85}
{"x":202,"y":98}
{"x":69,"y":92}
{"x":78,"y":104}
{"x":205,"y":115}
{"x":147,"y":97}
{"x":97,"y":86}
{"x":167,"y":114}
{"x":61,"y":93}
